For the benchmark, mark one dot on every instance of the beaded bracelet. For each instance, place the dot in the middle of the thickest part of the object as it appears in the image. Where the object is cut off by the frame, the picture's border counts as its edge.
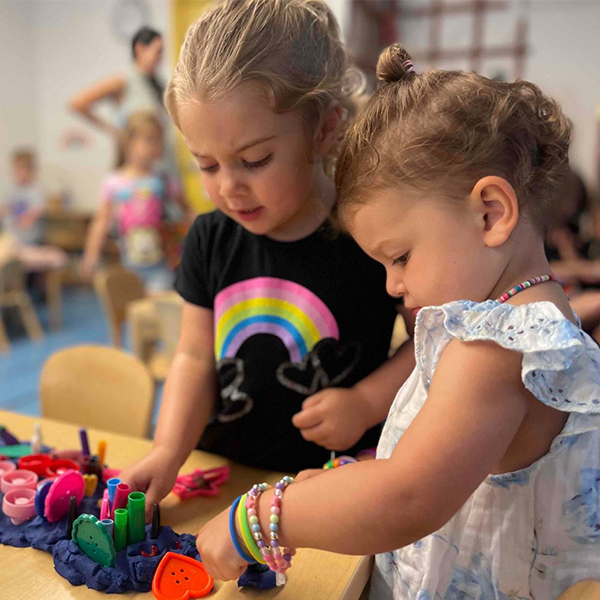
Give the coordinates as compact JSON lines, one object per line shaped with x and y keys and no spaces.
{"x":233,"y":534}
{"x":283,"y":560}
{"x":245,"y":532}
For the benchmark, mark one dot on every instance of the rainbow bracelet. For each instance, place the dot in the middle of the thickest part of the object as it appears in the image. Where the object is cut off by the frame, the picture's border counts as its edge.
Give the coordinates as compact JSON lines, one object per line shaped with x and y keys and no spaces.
{"x":244,"y":527}
{"x":233,"y":534}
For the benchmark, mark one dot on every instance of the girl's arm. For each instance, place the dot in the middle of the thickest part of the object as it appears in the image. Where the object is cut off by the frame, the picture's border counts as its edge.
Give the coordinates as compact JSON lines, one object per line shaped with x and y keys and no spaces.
{"x":96,"y":236}
{"x":337,"y":418}
{"x":84,"y":102}
{"x":476,"y":406}
{"x":191,"y":387}
{"x":187,"y":403}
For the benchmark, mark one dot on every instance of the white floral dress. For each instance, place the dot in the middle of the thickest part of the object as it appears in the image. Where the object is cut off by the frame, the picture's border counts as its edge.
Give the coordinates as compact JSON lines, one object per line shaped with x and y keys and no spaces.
{"x":524,"y":535}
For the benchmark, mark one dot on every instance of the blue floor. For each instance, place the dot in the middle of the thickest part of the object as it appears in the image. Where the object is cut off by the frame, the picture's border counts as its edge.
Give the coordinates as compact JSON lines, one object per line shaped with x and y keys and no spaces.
{"x":83,"y":323}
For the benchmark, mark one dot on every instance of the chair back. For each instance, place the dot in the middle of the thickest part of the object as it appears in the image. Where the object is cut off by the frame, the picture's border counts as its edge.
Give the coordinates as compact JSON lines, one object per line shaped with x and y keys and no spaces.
{"x":100,"y":387}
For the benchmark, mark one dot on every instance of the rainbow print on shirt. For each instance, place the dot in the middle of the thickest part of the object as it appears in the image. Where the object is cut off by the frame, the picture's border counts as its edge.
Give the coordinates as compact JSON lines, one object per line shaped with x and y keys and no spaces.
{"x":274,"y":306}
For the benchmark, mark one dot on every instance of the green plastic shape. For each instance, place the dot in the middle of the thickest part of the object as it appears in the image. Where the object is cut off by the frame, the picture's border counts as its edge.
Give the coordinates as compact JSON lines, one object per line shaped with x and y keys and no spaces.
{"x":120,"y":518}
{"x":136,"y":517}
{"x":93,"y":540}
{"x":16,"y":450}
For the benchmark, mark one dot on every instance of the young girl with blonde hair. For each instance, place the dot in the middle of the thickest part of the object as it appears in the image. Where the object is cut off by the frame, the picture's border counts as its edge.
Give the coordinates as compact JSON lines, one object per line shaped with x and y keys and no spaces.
{"x":487,"y":478}
{"x":286,"y":325}
{"x":133,"y":200}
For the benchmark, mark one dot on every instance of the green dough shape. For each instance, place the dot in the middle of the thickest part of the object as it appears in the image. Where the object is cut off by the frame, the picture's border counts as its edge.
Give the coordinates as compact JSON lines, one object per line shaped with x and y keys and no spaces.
{"x":93,"y":540}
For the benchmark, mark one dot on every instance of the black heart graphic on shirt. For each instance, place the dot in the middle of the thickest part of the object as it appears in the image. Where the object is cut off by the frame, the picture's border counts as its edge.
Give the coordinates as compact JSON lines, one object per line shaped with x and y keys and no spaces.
{"x":336,"y":360}
{"x":235,"y":403}
{"x":302,"y":377}
{"x":326,"y":365}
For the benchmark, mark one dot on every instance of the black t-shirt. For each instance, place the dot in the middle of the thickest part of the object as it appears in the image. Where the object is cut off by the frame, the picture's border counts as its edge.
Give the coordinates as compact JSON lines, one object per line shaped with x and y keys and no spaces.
{"x":290,"y":318}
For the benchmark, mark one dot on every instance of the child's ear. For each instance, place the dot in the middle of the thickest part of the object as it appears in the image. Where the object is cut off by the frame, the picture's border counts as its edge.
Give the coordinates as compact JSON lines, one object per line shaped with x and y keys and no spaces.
{"x":328,"y":132}
{"x":496,"y":205}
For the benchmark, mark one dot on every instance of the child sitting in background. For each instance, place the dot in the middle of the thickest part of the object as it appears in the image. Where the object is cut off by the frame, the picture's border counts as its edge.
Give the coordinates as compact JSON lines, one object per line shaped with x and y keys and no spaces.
{"x":134,"y":197}
{"x":22,"y":217}
{"x":487,"y":475}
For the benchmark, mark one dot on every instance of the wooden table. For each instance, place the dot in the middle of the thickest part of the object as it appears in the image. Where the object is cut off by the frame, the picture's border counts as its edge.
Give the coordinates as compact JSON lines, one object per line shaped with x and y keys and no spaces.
{"x":316,"y":575}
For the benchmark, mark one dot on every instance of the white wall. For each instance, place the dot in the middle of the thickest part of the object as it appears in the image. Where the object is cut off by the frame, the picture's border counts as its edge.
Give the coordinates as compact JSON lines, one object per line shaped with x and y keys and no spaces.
{"x":564,"y":46}
{"x":18,"y":95}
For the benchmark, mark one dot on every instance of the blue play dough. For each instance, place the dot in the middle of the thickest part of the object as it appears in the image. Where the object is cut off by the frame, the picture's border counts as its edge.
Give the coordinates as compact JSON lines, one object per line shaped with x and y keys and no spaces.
{"x":40,"y":534}
{"x":132,"y":571}
{"x":258,"y":576}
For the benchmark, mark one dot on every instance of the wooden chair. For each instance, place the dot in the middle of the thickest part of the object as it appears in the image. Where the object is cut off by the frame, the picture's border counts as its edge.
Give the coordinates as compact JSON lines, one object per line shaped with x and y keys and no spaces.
{"x":98,"y":386}
{"x":13,"y":293}
{"x":584,"y":590}
{"x":116,"y":288}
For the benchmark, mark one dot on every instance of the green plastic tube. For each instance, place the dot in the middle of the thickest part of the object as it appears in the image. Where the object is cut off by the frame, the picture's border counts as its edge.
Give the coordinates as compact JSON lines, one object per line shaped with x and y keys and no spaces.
{"x":120,"y":528}
{"x":136,"y":518}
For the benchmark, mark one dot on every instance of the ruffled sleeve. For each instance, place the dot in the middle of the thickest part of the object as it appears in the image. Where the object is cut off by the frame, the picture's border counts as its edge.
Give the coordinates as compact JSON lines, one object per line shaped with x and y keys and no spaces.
{"x":560,"y":362}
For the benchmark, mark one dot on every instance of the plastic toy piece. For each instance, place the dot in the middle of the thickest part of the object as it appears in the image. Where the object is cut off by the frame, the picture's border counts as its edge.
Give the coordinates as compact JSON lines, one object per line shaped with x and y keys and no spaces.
{"x":74,"y":455}
{"x":19,"y":505}
{"x":57,"y":467}
{"x":93,"y":540}
{"x":6,"y":467}
{"x":16,"y":450}
{"x":120,"y":530}
{"x":121,"y":496}
{"x":136,"y":517}
{"x":104,"y":509}
{"x":90,"y":483}
{"x":155,"y":521}
{"x":36,"y":440}
{"x":201,"y":483}
{"x":101,"y":452}
{"x":85,"y":446}
{"x":154,"y":552}
{"x":21,"y":478}
{"x":56,"y":506}
{"x":111,"y":485}
{"x":40,"y":496}
{"x":179,"y":577}
{"x":38,"y":463}
{"x":7,"y":437}
{"x":109,"y":524}
{"x":72,"y":511}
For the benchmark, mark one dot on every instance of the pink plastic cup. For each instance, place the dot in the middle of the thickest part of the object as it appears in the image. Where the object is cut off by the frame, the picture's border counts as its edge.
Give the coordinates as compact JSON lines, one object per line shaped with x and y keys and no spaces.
{"x":19,"y":505}
{"x":21,"y":478}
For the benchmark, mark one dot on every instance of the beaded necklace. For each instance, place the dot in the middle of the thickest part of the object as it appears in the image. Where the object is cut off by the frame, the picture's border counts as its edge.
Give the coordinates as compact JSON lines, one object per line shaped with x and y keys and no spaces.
{"x":524,"y":286}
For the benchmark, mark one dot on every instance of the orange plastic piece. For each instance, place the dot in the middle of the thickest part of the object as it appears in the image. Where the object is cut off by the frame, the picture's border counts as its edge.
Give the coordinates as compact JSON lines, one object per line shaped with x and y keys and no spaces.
{"x":179,"y":577}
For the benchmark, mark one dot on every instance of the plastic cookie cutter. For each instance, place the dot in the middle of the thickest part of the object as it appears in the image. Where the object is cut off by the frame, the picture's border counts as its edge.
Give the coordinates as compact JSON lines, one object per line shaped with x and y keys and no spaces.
{"x":19,"y":505}
{"x":201,"y":483}
{"x":179,"y":577}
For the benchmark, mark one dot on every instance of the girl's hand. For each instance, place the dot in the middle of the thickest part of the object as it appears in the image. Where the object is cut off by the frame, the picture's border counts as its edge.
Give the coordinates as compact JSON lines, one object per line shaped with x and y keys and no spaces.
{"x":217,"y":551}
{"x":335,"y":418}
{"x":154,"y":475}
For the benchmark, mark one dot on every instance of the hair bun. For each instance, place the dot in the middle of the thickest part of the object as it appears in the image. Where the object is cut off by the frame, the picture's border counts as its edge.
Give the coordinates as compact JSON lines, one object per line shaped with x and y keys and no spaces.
{"x":394,"y":64}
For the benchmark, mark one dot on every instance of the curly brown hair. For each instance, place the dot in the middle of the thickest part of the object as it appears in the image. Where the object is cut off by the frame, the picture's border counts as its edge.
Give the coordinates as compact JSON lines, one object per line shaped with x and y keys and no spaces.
{"x":441,"y":131}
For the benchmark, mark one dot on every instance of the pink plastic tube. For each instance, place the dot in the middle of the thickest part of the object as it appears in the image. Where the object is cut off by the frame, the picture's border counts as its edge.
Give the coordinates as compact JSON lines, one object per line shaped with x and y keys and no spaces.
{"x":121,"y":495}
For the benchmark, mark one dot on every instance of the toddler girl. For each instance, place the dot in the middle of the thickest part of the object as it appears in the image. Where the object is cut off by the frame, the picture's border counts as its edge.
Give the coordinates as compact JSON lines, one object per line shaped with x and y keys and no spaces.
{"x":286,"y":325}
{"x":487,"y":478}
